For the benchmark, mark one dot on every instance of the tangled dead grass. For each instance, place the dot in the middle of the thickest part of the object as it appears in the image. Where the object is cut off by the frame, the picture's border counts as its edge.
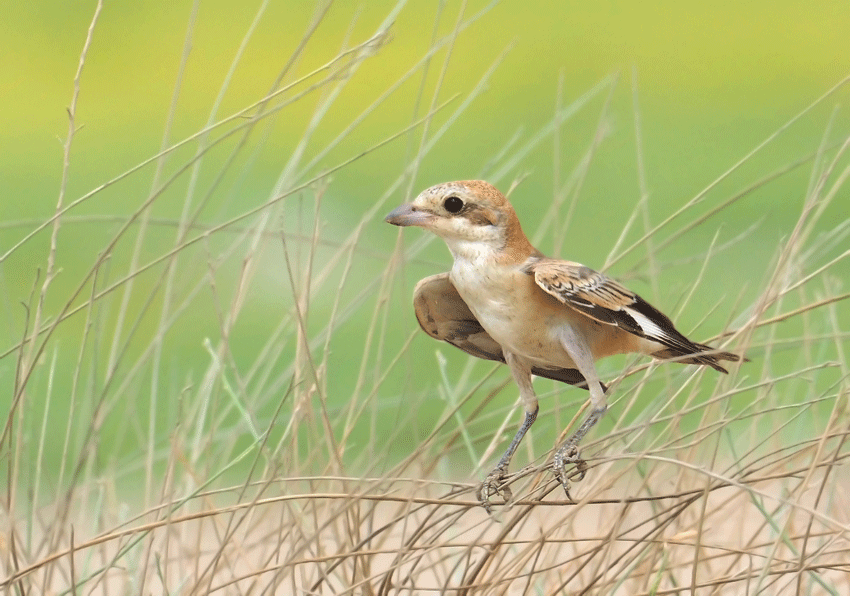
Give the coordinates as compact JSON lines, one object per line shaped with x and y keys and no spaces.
{"x":776,"y":525}
{"x":730,"y":486}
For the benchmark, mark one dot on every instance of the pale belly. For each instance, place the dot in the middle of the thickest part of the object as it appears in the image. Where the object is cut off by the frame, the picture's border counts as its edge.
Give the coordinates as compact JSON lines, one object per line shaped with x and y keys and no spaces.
{"x":522,"y":318}
{"x":528,"y":322}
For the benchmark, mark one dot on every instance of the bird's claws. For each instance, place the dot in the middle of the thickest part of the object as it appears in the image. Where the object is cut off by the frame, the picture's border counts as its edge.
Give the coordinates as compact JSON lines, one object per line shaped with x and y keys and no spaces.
{"x":494,"y":485}
{"x":568,"y":455}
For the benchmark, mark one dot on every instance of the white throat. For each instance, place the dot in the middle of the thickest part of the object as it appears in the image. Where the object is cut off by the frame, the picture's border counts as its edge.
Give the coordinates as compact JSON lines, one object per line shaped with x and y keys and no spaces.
{"x":476,"y":244}
{"x":475,"y":251}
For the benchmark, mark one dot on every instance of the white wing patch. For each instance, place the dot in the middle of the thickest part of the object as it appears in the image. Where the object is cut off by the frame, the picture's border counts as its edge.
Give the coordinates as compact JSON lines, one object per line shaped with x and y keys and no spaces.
{"x":596,"y":296}
{"x":650,"y":328}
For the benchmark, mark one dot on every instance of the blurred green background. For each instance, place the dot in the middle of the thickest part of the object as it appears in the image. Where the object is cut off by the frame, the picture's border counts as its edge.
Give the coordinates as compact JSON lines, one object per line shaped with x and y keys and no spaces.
{"x":710,"y":82}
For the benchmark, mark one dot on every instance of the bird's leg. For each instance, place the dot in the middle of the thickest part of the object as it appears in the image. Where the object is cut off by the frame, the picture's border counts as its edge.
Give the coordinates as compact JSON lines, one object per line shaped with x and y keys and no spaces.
{"x":568,"y":452}
{"x":491,"y":484}
{"x":494,"y":479}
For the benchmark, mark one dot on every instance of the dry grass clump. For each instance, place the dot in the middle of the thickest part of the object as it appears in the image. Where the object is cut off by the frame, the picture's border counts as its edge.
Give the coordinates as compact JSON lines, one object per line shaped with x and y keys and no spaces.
{"x":237,"y":400}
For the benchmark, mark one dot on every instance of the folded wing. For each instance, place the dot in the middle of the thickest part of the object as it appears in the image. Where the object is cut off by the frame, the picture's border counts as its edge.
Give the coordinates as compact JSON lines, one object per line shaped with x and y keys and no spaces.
{"x":599,"y":297}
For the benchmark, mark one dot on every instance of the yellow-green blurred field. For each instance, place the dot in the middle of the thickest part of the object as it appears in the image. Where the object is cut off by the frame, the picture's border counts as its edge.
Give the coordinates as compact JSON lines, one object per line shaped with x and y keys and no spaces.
{"x":204,"y":308}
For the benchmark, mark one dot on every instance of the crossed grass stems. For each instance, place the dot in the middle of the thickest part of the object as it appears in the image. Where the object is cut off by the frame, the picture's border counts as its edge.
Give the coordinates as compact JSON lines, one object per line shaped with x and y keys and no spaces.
{"x":396,"y":529}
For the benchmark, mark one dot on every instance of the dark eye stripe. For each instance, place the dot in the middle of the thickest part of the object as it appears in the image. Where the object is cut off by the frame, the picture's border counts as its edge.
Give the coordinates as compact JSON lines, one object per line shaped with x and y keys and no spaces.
{"x":479,"y":216}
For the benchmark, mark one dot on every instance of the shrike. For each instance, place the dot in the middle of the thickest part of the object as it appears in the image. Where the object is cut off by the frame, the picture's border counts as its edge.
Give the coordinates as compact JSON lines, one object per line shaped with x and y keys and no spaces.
{"x":504,"y":301}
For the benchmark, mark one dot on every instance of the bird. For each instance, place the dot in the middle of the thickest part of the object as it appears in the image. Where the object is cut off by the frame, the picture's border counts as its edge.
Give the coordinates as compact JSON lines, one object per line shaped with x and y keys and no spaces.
{"x":504,"y":301}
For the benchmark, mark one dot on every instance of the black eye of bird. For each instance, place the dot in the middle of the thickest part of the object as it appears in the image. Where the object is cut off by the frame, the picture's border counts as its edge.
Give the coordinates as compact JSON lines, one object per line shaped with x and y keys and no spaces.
{"x":453,"y":204}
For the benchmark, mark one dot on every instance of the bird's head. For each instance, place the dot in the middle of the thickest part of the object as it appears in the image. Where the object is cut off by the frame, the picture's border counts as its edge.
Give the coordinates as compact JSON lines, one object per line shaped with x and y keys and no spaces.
{"x":472,"y":216}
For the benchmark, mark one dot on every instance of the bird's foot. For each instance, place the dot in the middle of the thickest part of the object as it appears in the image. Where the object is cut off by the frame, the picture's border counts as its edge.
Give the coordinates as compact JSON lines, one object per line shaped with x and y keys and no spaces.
{"x":494,"y":485}
{"x":568,"y":455}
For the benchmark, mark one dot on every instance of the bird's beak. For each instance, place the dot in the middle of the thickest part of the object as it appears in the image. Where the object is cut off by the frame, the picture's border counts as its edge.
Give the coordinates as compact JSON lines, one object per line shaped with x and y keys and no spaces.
{"x":408,"y":215}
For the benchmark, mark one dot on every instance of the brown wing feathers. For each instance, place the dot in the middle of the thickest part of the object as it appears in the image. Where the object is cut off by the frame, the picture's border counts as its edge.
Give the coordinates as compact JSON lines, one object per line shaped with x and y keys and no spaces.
{"x":601,"y":298}
{"x":444,"y":315}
